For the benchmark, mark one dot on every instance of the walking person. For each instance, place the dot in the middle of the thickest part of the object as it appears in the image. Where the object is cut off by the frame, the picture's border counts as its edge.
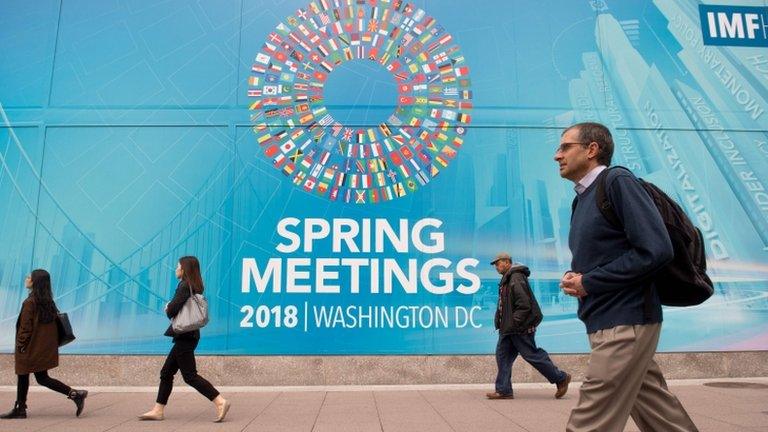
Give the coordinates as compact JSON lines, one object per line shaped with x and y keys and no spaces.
{"x":618,"y":302}
{"x":517,"y":316}
{"x":37,"y":346}
{"x":182,"y":355}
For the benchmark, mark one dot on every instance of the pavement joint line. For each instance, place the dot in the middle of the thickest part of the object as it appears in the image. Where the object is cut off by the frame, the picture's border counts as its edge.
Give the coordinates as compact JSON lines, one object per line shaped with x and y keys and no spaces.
{"x":378,"y":387}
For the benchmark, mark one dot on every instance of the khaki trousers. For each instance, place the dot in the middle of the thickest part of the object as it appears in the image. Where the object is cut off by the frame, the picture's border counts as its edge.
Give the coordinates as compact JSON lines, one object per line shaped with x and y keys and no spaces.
{"x":622,"y":380}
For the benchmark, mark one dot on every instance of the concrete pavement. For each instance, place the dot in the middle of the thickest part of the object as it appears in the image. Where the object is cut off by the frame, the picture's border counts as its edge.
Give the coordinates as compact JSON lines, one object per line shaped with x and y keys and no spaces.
{"x":717,"y":405}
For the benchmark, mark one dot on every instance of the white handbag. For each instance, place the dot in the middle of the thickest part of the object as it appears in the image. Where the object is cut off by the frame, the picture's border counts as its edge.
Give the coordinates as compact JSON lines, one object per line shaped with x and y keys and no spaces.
{"x":192,"y":316}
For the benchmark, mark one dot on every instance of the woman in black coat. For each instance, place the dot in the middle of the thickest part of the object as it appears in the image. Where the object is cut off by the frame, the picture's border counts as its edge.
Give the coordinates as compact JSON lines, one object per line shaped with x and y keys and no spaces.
{"x":182,"y":355}
{"x":37,"y":345}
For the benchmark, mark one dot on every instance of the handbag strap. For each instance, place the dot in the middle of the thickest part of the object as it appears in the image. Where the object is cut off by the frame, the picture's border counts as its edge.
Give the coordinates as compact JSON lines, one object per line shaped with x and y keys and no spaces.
{"x":192,"y":296}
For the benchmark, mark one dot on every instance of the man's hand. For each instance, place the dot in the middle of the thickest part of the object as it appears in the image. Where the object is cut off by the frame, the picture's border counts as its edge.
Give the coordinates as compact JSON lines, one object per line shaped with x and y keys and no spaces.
{"x":571,"y":285}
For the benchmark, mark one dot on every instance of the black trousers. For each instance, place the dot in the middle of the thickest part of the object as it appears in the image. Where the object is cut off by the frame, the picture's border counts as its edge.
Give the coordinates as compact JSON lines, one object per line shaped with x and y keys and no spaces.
{"x":22,"y":387}
{"x":182,"y":357}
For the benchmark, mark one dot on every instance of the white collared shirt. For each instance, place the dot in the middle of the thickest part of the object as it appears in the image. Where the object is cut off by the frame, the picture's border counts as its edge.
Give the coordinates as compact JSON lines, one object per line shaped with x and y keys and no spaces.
{"x":588,"y":179}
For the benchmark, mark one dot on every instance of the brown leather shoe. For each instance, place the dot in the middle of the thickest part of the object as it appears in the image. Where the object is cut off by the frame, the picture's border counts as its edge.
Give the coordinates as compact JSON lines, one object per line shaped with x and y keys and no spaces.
{"x":562,"y":386}
{"x":496,"y":395}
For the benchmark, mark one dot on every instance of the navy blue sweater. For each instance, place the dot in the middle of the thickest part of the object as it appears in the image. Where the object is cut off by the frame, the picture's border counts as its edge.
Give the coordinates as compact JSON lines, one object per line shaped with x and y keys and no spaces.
{"x":616,"y":264}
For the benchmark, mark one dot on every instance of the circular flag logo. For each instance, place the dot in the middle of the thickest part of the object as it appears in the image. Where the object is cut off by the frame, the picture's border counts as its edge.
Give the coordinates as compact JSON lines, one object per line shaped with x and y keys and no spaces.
{"x":354,"y":164}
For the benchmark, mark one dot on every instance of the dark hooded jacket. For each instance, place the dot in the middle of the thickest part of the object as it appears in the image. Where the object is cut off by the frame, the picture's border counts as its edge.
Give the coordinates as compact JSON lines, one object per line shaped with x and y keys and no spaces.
{"x":517,"y":310}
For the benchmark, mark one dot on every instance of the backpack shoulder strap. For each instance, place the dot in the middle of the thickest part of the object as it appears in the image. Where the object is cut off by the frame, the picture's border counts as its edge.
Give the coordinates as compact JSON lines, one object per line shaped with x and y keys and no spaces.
{"x":603,"y":200}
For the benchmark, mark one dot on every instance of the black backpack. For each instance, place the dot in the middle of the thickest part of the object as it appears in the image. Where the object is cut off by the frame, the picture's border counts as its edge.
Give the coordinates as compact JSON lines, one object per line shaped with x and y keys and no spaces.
{"x":684,"y":281}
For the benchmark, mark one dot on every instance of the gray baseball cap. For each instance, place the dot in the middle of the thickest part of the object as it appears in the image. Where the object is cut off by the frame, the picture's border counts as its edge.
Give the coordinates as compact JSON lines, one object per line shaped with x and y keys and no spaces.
{"x":501,"y":256}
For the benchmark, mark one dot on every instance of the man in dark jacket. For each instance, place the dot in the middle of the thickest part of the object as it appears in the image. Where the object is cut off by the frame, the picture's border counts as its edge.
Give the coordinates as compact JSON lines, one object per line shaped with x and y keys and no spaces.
{"x":517,"y":316}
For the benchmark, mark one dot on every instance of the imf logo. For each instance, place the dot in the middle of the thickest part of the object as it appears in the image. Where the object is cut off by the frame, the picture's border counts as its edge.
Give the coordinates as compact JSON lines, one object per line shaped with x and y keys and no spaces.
{"x":734,"y":25}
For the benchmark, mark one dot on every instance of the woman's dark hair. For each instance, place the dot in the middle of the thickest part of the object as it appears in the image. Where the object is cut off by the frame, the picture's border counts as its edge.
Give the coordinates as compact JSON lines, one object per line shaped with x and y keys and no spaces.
{"x":41,"y":293}
{"x":191,"y":267}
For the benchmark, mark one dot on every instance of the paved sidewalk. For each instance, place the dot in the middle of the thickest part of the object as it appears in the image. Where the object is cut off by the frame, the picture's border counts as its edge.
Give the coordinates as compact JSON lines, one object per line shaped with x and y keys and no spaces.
{"x":374,"y":408}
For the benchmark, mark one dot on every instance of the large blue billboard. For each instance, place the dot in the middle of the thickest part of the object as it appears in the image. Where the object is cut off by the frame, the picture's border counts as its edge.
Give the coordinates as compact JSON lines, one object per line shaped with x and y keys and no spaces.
{"x":345,"y":169}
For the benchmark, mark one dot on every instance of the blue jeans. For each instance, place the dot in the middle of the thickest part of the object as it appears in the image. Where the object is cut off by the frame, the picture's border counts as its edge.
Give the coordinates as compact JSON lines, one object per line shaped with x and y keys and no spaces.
{"x":509,"y":347}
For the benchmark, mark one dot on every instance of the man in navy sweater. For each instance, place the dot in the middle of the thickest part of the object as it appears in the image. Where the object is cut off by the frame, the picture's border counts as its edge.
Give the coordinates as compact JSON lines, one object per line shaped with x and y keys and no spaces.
{"x":610,"y":273}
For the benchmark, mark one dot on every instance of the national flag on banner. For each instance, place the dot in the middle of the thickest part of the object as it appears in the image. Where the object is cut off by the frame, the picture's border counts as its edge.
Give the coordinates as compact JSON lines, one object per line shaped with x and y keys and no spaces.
{"x":271,"y":151}
{"x":381,"y":180}
{"x":449,"y":152}
{"x":288,"y":169}
{"x":399,"y":190}
{"x":297,"y":133}
{"x":395,"y":158}
{"x":322,"y":188}
{"x":341,"y":177}
{"x":287,"y":146}
{"x":430,"y":146}
{"x":328,"y":174}
{"x":388,"y":145}
{"x":386,"y":193}
{"x":296,"y":55}
{"x":422,"y":178}
{"x":374,"y":196}
{"x":278,"y":160}
{"x":316,"y":170}
{"x":334,"y":194}
{"x":296,"y":155}
{"x":264,"y":138}
{"x":298,"y":178}
{"x":262,"y":58}
{"x":429,"y":68}
{"x":464,"y":118}
{"x":376,"y":149}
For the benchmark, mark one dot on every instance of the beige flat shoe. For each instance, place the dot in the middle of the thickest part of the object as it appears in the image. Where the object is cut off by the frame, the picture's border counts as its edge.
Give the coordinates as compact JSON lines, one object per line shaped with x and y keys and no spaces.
{"x":151,"y":416}
{"x":221,"y":411}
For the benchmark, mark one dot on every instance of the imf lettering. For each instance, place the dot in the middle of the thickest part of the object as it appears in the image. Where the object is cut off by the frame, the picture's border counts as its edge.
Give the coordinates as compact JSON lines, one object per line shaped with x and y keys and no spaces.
{"x":735,"y":26}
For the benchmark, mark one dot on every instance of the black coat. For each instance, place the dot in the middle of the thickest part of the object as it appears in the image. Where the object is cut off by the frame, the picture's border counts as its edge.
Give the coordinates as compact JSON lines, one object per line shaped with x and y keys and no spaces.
{"x":173,"y":309}
{"x":517,"y":310}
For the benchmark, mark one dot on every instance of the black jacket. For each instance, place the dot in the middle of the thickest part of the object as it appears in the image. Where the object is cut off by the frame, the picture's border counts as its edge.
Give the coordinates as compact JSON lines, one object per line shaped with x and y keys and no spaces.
{"x":174,"y":307}
{"x":517,"y":310}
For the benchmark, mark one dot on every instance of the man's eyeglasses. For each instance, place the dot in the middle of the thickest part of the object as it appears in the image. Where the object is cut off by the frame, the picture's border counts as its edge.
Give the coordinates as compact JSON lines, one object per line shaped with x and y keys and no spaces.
{"x":565,"y":146}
